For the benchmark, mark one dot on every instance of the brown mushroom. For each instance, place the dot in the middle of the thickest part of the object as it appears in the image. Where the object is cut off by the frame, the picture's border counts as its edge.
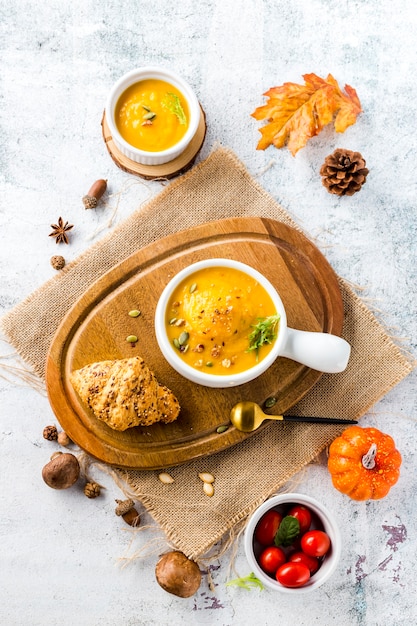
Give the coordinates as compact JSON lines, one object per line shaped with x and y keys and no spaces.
{"x":62,"y":471}
{"x":177,"y":574}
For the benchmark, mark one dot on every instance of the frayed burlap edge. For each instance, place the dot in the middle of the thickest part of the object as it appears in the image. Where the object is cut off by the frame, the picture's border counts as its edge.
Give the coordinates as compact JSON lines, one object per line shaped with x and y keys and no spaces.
{"x":12,"y":325}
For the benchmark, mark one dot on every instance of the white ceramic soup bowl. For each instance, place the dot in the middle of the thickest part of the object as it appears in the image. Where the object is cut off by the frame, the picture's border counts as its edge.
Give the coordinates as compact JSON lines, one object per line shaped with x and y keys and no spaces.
{"x":322,"y":519}
{"x":135,"y":76}
{"x":320,"y":351}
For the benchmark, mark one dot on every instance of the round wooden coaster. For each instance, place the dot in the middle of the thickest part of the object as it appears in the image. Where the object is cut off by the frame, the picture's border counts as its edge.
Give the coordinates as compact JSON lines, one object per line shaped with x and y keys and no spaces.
{"x":167,"y":170}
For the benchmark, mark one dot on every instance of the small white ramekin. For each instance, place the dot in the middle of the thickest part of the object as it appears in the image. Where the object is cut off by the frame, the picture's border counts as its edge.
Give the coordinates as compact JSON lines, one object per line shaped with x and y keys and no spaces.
{"x":324,"y":520}
{"x":142,"y":156}
{"x":321,"y":351}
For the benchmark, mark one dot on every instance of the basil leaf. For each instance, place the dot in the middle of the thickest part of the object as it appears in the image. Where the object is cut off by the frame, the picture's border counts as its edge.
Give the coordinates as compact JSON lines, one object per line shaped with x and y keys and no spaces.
{"x":288,"y":531}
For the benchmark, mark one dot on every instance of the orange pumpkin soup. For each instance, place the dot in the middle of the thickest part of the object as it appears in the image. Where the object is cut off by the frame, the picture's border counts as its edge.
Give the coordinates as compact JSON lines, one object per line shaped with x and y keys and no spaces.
{"x":211,"y":316}
{"x":152,"y":115}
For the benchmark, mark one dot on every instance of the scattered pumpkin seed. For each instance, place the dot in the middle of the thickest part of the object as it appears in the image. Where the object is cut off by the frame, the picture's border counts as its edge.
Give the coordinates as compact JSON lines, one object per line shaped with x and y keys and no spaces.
{"x":193,"y":287}
{"x":145,"y":107}
{"x":208,"y":489}
{"x":134,"y":313}
{"x":206,"y":477}
{"x":132,"y":339}
{"x":176,"y":343}
{"x":222,"y":429}
{"x":209,"y":364}
{"x":172,"y":320}
{"x":269,"y":402}
{"x":183,"y":338}
{"x":149,"y":116}
{"x":165,"y":478}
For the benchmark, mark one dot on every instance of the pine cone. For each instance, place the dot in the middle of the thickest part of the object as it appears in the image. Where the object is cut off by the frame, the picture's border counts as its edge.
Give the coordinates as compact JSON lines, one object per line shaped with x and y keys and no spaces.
{"x":344,"y":172}
{"x":92,"y":490}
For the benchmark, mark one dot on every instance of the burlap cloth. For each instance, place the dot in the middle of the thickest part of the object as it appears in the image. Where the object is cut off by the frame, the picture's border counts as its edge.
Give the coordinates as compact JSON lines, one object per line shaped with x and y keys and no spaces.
{"x":249,"y":472}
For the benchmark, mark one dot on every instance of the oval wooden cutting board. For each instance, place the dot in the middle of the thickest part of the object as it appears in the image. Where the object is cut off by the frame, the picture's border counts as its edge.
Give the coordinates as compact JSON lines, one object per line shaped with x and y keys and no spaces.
{"x":97,"y":325}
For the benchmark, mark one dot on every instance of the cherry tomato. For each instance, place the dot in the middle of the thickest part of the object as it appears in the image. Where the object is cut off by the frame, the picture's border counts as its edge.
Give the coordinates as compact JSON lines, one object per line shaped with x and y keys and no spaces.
{"x":267,"y":527}
{"x":315,"y":543}
{"x":303,"y":515}
{"x":312,"y":562}
{"x":271,"y":559}
{"x":293,"y":574}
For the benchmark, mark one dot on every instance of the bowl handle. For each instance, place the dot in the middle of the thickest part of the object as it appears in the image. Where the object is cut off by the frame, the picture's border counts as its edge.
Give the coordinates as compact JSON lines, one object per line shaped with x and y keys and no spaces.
{"x":320,"y":351}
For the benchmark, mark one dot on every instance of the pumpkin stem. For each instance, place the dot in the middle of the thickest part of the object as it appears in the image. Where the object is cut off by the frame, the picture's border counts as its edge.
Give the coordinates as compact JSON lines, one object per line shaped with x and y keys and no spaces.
{"x":368,"y":459}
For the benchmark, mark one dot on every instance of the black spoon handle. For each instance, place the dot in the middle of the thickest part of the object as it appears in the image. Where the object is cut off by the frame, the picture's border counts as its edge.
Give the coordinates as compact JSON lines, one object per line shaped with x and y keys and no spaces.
{"x":323,"y":420}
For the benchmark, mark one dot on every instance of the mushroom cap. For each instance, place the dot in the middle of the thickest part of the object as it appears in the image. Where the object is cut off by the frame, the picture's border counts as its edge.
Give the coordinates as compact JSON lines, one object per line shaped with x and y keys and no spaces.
{"x":62,"y":471}
{"x":177,"y":574}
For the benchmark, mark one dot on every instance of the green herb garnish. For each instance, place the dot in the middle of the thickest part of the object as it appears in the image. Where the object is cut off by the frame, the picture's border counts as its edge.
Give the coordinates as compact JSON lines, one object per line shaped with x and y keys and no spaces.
{"x":173,"y":104}
{"x":246,"y":582}
{"x":264,"y":332}
{"x":288,"y":531}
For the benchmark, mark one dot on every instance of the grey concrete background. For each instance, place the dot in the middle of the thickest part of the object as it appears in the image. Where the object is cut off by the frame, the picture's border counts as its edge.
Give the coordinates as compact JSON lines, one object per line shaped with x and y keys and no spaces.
{"x":59,"y":552}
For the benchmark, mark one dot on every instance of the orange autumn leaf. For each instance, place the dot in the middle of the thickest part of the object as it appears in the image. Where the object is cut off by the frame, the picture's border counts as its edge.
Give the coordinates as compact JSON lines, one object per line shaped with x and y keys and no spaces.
{"x":295,"y":113}
{"x":350,"y":107}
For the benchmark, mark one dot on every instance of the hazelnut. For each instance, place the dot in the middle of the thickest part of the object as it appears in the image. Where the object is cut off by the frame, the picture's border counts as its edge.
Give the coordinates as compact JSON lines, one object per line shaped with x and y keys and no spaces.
{"x":62,"y":471}
{"x":63,"y":439}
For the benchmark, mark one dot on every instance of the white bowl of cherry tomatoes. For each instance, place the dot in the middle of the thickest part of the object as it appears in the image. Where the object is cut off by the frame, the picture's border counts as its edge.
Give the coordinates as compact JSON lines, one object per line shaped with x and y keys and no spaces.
{"x":292,"y":543}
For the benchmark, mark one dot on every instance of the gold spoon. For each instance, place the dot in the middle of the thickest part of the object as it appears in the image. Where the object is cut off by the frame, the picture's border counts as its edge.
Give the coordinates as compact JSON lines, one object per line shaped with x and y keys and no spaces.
{"x":248,"y":416}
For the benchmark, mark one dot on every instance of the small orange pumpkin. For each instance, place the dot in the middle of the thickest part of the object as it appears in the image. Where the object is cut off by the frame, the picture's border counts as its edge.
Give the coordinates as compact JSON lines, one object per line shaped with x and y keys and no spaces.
{"x":364,"y":463}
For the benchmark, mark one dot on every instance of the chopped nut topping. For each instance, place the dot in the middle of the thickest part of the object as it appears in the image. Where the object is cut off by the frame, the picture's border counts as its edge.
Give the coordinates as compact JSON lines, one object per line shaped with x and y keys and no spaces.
{"x":216,"y":351}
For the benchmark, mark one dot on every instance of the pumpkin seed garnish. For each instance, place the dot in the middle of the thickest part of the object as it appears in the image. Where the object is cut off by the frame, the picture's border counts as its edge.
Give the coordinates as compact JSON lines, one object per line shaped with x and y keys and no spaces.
{"x":222,"y":429}
{"x":131,"y":339}
{"x":149,"y":116}
{"x":165,"y":478}
{"x":269,"y":402}
{"x":193,"y":287}
{"x":176,"y":343}
{"x":208,"y":489}
{"x":134,"y":313}
{"x":172,"y":320}
{"x":183,"y":338}
{"x":206,"y":477}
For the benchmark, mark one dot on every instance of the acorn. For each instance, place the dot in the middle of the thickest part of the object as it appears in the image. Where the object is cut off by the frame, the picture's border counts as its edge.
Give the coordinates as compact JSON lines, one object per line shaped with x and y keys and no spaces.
{"x":96,"y":191}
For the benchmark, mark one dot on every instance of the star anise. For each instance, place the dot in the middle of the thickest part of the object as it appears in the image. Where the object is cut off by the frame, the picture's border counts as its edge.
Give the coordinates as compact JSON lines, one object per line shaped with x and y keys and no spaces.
{"x":60,"y":231}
